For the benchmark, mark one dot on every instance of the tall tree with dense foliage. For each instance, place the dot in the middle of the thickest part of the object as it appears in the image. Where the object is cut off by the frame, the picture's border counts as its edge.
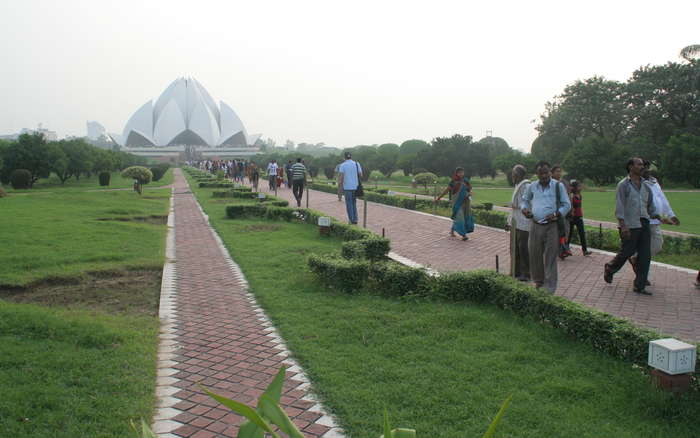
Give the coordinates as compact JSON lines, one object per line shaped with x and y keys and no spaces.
{"x":387,"y":157}
{"x":30,"y":152}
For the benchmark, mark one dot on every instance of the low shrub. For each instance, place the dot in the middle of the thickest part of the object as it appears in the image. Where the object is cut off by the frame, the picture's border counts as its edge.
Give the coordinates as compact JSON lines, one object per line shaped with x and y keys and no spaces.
{"x":215,"y":185}
{"x":372,"y":248}
{"x":391,"y":278}
{"x":21,"y":179}
{"x":104,"y":178}
{"x":338,"y":273}
{"x":3,"y":193}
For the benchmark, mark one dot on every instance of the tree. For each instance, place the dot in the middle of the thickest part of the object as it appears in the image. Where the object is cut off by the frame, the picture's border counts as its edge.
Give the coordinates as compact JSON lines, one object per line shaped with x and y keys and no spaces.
{"x":680,"y":157}
{"x":497,"y":146}
{"x":412,"y":147}
{"x":29,"y":152}
{"x":505,"y":163}
{"x":597,"y":159}
{"x":58,"y":162}
{"x":426,"y":178}
{"x":141,"y":174}
{"x":406,"y":163}
{"x":387,"y":157}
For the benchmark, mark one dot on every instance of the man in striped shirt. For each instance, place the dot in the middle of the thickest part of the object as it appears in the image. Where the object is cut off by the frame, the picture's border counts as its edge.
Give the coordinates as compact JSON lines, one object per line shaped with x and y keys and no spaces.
{"x":298,"y":177}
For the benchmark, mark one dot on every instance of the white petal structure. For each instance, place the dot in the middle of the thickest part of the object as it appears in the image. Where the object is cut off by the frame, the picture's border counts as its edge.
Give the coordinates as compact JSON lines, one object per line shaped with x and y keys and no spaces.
{"x":185,"y":114}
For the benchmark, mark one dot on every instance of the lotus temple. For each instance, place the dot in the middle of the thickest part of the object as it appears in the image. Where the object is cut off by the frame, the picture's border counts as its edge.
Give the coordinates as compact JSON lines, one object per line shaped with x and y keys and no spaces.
{"x":185,"y":119}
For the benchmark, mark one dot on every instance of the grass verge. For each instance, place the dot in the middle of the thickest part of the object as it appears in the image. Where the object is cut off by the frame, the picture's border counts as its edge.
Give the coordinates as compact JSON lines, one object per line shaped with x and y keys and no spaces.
{"x":441,"y":368}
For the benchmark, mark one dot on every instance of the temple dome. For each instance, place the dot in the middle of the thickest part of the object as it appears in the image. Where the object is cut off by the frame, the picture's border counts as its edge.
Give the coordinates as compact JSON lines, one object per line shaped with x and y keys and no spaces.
{"x":185,"y":114}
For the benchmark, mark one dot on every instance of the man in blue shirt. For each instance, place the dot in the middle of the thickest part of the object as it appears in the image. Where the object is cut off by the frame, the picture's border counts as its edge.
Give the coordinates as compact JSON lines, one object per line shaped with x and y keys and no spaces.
{"x":541,"y":204}
{"x":349,"y":179}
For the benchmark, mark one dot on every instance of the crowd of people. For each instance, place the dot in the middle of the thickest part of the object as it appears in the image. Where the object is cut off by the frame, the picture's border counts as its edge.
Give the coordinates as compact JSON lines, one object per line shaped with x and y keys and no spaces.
{"x":545,"y":212}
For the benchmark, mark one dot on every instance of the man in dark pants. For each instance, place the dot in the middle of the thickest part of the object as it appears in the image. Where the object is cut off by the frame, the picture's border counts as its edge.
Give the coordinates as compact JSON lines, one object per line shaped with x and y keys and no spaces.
{"x":634,"y":207}
{"x":297,"y":175}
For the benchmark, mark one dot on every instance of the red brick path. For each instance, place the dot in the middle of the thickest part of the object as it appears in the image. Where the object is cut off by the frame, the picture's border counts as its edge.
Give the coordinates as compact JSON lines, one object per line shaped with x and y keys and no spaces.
{"x":674,"y":309}
{"x":221,"y":340}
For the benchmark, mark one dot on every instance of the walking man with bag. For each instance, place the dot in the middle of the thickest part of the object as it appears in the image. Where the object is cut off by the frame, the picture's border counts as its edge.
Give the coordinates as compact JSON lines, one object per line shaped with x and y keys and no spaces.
{"x":350,"y":173}
{"x":297,"y":174}
{"x":546,"y":203}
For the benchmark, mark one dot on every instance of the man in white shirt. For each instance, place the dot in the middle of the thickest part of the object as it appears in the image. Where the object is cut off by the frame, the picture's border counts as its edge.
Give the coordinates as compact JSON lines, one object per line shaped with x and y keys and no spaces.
{"x":349,"y":179}
{"x":272,"y":174}
{"x":519,"y":227}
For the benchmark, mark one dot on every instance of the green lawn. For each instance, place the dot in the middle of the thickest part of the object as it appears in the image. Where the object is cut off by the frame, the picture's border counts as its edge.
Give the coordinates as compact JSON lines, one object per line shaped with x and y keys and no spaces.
{"x":65,"y":232}
{"x":441,"y":368}
{"x":82,"y":362}
{"x":74,"y":373}
{"x":92,"y":183}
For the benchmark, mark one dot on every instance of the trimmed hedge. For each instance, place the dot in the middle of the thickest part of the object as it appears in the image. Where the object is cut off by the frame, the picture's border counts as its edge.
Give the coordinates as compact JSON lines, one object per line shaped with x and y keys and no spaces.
{"x":372,"y":248}
{"x":104,"y":178}
{"x":342,"y":274}
{"x":615,"y":336}
{"x":215,"y":185}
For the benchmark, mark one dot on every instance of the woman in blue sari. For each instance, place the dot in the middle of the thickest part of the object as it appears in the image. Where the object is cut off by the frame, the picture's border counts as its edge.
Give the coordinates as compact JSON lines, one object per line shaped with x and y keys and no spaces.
{"x":460,"y":190}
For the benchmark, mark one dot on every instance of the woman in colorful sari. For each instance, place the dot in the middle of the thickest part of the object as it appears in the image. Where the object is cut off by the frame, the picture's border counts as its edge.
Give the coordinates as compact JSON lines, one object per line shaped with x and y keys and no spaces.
{"x":460,"y":190}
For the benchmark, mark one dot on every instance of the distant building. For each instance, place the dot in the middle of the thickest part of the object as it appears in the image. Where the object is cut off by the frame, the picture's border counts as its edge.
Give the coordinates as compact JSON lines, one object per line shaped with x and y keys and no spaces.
{"x":94,"y":130}
{"x":48,"y":134}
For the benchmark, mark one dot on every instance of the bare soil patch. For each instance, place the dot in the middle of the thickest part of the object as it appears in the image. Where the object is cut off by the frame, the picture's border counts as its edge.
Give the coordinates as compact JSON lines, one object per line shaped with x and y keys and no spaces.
{"x":153,"y":219}
{"x":115,"y":292}
{"x":260,"y":227}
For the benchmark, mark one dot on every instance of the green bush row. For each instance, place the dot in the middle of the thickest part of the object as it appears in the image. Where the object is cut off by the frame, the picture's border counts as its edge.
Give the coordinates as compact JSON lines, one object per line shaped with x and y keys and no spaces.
{"x":607,"y":333}
{"x":609,"y":240}
{"x":215,"y":185}
{"x":371,"y":248}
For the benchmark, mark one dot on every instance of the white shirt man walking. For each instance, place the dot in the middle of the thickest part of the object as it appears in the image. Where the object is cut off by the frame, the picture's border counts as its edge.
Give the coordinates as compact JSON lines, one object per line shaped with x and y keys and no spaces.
{"x":350,"y":173}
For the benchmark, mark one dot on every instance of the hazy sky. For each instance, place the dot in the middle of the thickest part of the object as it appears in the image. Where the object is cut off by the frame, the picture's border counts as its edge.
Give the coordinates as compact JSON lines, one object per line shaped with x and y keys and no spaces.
{"x":343,"y":73}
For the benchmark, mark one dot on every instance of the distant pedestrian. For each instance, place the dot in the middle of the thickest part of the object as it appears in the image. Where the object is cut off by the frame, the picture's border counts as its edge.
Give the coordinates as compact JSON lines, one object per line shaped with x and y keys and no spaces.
{"x":297,"y":174}
{"x":288,"y":172}
{"x":564,"y":250}
{"x":460,"y":190}
{"x":350,"y":173}
{"x":337,"y":177}
{"x":577,"y":215}
{"x":280,"y":176}
{"x":254,"y":175}
{"x":272,"y":174}
{"x":519,"y":227}
{"x":545,"y":202}
{"x":634,"y":208}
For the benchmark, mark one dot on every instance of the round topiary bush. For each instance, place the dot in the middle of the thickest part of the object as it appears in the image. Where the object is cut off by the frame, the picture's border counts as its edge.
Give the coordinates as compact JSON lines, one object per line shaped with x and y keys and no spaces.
{"x":141,"y":174}
{"x":104,"y":178}
{"x":21,"y":179}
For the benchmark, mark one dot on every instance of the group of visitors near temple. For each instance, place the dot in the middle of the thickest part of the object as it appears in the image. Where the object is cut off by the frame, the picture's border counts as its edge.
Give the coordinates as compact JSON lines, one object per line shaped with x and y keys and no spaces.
{"x":545,"y":213}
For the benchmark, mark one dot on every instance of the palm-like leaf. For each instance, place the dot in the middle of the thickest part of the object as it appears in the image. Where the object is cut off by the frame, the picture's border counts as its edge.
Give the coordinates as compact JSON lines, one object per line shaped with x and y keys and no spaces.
{"x":691,"y":52}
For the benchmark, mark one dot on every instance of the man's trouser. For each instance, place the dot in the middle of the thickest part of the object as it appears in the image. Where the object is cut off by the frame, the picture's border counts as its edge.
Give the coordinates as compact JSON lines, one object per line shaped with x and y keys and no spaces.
{"x":351,"y":205}
{"x":522,"y":254}
{"x":543,"y":245}
{"x":273,"y":181}
{"x":639,"y":242}
{"x":298,"y":190}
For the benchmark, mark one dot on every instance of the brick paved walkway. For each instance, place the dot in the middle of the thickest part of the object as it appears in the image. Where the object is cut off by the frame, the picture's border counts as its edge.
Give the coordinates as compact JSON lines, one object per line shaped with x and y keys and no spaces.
{"x":219,"y":339}
{"x":674,"y":308}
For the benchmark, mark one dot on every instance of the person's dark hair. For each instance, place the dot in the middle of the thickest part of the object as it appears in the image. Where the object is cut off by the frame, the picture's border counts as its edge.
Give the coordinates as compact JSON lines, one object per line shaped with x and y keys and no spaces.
{"x":555,"y":168}
{"x":348,"y":155}
{"x":299,"y":160}
{"x":647,"y":163}
{"x":630,"y":163}
{"x":574,"y":183}
{"x":542,"y":164}
{"x":457,"y":170}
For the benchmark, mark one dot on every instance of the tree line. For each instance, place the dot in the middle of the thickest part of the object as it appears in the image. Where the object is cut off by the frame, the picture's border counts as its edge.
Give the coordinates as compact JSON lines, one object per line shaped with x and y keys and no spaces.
{"x":67,"y":159}
{"x":596,"y":124}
